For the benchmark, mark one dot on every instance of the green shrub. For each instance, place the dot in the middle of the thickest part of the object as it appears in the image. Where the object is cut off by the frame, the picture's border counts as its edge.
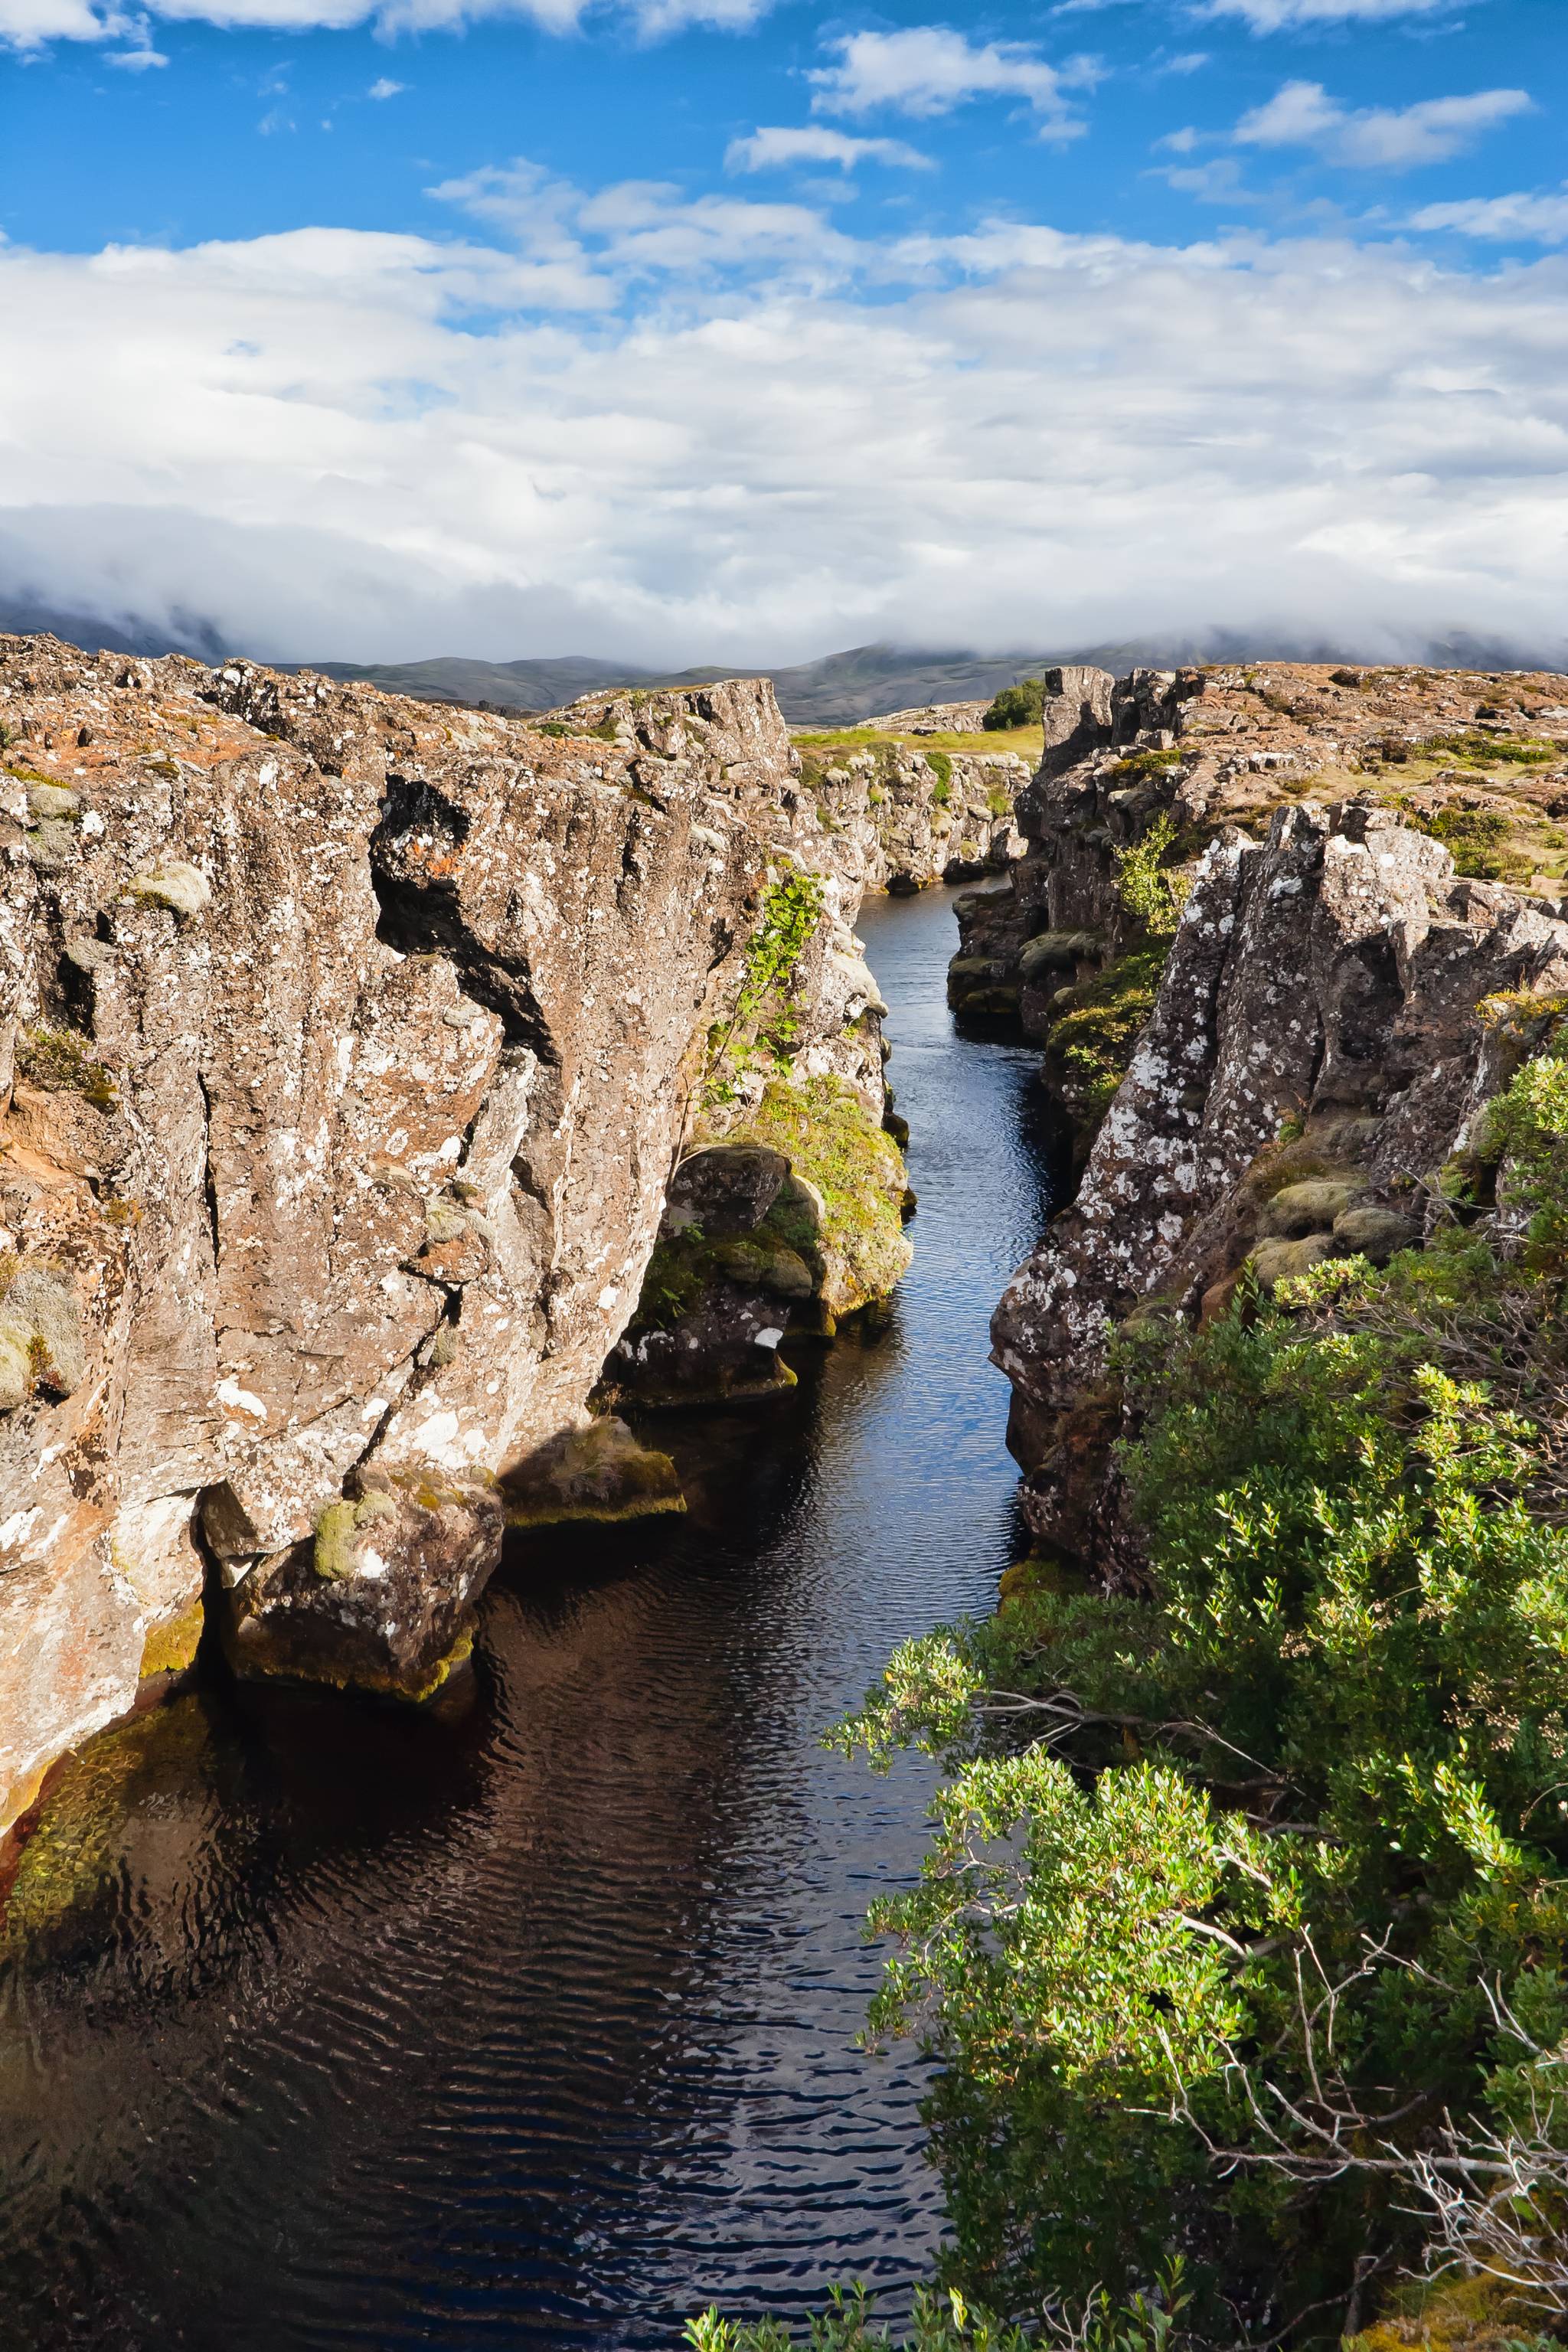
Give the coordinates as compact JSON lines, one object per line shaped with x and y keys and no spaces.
{"x":1022,"y":705}
{"x":1146,"y":888}
{"x":1326,"y":1752}
{"x":1478,"y":841}
{"x":1093,"y":1039}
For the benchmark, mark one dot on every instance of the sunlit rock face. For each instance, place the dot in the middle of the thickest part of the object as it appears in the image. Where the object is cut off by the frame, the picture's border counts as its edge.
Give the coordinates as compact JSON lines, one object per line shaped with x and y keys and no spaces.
{"x":1316,"y":1050}
{"x":346,"y":1047}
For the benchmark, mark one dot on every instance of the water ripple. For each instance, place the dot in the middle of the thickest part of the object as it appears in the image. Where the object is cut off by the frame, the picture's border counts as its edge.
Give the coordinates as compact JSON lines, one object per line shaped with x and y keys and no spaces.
{"x":532,"y":2021}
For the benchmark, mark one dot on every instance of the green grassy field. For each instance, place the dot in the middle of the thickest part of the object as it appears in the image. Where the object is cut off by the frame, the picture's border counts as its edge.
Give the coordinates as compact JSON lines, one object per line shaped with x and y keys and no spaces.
{"x":1025,"y":741}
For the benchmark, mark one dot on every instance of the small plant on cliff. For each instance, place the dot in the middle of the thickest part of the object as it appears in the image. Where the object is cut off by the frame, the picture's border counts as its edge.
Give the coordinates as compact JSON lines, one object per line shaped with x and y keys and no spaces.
{"x":60,"y":1062}
{"x":940,"y":765}
{"x":763,"y":1016}
{"x":1146,"y":887}
{"x":1017,"y":706}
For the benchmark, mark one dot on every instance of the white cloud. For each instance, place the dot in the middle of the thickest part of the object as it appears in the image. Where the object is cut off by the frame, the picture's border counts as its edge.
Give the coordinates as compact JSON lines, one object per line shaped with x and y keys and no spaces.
{"x":28,"y":25}
{"x":774,"y":149}
{"x":1217,"y":183}
{"x":333,"y":442}
{"x":1294,"y":15}
{"x":1514,"y":219}
{"x":386,"y":88}
{"x":1377,"y":138}
{"x":584,"y":248}
{"x":928,"y":70}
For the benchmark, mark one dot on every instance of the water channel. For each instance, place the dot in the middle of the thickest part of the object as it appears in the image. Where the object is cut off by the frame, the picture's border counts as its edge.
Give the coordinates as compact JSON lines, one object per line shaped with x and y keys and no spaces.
{"x":531,"y":2022}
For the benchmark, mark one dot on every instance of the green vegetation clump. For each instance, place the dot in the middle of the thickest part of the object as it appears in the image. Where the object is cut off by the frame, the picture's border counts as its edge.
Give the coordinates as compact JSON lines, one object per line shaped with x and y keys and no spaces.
{"x":1091,"y":1041}
{"x":1478,"y":749}
{"x":1478,"y":841}
{"x":1143,"y":767}
{"x":764,"y":1018}
{"x":833,"y":1141}
{"x":1244,"y":1928}
{"x":1022,"y":705}
{"x":940,"y":765}
{"x":60,"y":1062}
{"x":1145,"y":886}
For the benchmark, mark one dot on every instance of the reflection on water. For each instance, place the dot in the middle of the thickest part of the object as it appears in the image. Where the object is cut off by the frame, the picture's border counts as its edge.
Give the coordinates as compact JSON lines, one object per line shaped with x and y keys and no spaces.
{"x":532,"y":2021}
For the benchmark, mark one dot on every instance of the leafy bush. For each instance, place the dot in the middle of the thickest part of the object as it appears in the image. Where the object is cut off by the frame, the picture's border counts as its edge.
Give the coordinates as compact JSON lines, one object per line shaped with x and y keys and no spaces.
{"x":764,"y":1015}
{"x":1285,"y":1844}
{"x":1022,"y":705}
{"x":1145,"y":887}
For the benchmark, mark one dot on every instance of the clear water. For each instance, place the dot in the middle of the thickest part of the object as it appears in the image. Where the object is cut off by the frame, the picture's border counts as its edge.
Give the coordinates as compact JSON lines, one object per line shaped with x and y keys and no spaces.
{"x":533,"y":2023}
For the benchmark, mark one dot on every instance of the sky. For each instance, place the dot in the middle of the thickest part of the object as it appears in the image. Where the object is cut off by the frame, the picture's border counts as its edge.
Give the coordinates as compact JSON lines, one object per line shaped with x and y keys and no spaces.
{"x":748,"y":330}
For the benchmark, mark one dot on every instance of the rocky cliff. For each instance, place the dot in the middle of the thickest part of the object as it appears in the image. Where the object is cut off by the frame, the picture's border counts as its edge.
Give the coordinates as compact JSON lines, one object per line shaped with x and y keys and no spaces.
{"x":347,"y":1046}
{"x":1272,"y":998}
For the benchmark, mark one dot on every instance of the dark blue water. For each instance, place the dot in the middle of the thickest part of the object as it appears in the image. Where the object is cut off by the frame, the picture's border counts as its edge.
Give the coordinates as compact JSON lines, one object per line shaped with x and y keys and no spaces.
{"x":533,"y":2024}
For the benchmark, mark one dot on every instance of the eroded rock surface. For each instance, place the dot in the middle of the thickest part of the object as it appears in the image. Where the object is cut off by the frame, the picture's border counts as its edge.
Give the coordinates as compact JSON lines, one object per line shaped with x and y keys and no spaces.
{"x":346,"y":1047}
{"x":1324,"y":1024}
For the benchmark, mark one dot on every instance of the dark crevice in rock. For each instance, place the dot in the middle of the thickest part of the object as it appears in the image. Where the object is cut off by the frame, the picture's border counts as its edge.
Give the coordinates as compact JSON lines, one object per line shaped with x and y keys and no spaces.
{"x":421,"y":913}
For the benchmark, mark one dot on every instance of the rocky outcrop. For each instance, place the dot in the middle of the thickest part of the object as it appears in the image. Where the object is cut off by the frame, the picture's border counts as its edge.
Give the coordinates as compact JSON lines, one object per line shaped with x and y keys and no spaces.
{"x":934,"y":719}
{"x":908,"y":818}
{"x":1319,"y":1038}
{"x":791,"y":1224}
{"x":346,"y":1047}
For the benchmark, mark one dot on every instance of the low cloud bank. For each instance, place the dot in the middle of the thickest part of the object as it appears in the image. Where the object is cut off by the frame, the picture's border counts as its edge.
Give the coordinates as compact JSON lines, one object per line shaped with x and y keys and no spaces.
{"x":670,"y":430}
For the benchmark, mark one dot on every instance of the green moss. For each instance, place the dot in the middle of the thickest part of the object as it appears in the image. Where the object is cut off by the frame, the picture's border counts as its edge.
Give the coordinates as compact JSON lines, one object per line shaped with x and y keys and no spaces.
{"x":340,"y":1527}
{"x":855,"y":1169}
{"x":1143,"y":767}
{"x":170,"y":1647}
{"x":1091,"y":1042}
{"x":59,"y":1062}
{"x":1477,"y":839}
{"x":940,"y":765}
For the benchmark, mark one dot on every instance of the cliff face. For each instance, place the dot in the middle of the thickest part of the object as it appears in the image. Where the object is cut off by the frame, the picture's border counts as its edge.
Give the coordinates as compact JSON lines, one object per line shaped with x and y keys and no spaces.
{"x":346,"y":1048}
{"x":1324,"y":1016}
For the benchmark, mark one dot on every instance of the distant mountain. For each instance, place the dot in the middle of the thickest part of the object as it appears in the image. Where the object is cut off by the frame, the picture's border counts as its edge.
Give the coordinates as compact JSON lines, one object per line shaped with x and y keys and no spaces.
{"x":844,"y":688}
{"x":835,"y":691}
{"x":831,"y":692}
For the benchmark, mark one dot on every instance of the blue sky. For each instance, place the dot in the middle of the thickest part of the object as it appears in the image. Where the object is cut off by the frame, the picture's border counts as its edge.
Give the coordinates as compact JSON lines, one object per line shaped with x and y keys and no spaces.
{"x":702,"y":327}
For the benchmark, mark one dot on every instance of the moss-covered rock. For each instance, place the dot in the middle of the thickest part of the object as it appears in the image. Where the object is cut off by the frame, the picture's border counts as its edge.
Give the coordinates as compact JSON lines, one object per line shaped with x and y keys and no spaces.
{"x":1372,"y":1232}
{"x":1275,"y":1259}
{"x":1093,"y":1035}
{"x":843,"y":1212}
{"x":1309,"y":1208}
{"x":599,"y":1473}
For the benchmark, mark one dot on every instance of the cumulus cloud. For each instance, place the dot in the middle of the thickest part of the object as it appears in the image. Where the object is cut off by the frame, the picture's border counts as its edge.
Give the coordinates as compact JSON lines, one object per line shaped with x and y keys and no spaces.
{"x":384,"y":88}
{"x":774,"y":149}
{"x":1513,"y":219}
{"x":336,"y":442}
{"x":1377,"y":138}
{"x":928,"y":69}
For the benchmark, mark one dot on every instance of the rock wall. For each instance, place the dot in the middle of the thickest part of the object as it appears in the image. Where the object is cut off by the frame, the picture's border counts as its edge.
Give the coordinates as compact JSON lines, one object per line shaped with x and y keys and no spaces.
{"x":1322,"y":1034}
{"x":910,"y":817}
{"x":346,"y":1047}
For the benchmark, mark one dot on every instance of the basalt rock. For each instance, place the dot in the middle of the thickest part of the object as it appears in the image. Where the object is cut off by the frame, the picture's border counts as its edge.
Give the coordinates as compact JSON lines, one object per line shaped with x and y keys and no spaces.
{"x":346,"y":1046}
{"x":1317,"y":1050}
